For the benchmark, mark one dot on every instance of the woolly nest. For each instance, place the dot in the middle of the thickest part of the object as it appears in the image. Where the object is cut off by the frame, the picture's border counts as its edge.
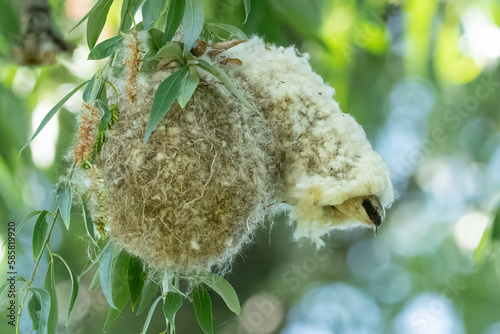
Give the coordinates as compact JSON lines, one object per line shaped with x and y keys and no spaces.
{"x":212,"y":172}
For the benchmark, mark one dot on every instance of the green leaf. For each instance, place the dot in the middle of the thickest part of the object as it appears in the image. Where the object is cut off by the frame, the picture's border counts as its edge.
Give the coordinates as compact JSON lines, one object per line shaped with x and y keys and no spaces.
{"x":50,"y":286}
{"x":106,"y":275}
{"x":97,"y":19}
{"x":495,"y":228}
{"x":171,"y":50}
{"x":192,"y":22}
{"x":94,"y":87}
{"x":106,"y":114}
{"x":226,"y":31}
{"x":135,"y":279}
{"x":129,"y":8}
{"x":164,"y":98}
{"x":89,"y":226}
{"x":203,"y":309}
{"x":74,"y":286}
{"x":96,"y":281}
{"x":188,"y":87}
{"x":150,"y":315}
{"x":64,"y":198}
{"x":172,"y":304}
{"x":106,"y":48}
{"x":23,"y":222}
{"x":113,"y":275}
{"x":51,"y":114}
{"x":483,"y":249}
{"x":225,"y":290}
{"x":175,"y":12}
{"x":156,"y":40}
{"x":121,"y":294}
{"x":40,"y":232}
{"x":151,"y":11}
{"x":247,"y":4}
{"x":39,"y":308}
{"x":226,"y":80}
{"x":149,"y":292}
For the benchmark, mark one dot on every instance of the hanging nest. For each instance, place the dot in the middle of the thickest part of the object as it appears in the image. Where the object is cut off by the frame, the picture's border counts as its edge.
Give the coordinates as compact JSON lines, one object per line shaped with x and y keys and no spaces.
{"x":209,"y":175}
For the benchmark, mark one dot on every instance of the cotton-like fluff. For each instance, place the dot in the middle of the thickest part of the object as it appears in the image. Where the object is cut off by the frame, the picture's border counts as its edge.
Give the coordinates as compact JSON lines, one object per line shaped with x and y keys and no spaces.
{"x":191,"y":197}
{"x":325,"y":158}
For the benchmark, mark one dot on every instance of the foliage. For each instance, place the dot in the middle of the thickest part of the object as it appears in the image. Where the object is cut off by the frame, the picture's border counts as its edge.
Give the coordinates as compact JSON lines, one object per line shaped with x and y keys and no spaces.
{"x":352,"y":47}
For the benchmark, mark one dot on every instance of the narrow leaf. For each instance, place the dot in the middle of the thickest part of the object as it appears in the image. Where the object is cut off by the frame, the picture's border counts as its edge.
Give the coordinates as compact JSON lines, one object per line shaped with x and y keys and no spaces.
{"x":89,"y":226}
{"x":495,"y":228}
{"x":151,"y":11}
{"x":226,"y":80}
{"x":150,"y":315}
{"x":225,"y":290}
{"x":64,"y":198}
{"x":93,"y":88}
{"x":51,"y":113}
{"x":106,"y":114}
{"x":483,"y":249}
{"x":39,"y":234}
{"x":50,"y":286}
{"x":247,"y":4}
{"x":74,"y":286}
{"x":106,"y":48}
{"x":96,"y":281}
{"x":192,"y":22}
{"x":203,"y":309}
{"x":129,"y":7}
{"x":39,"y":308}
{"x":149,"y":292}
{"x":164,"y":98}
{"x":226,"y":31}
{"x":175,"y":12}
{"x":97,"y":19}
{"x":105,"y":274}
{"x":172,"y":304}
{"x":135,"y":279}
{"x":188,"y":87}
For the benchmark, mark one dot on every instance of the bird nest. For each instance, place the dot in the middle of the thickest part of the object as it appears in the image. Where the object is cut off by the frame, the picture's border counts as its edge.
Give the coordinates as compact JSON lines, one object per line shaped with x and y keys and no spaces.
{"x":212,"y":172}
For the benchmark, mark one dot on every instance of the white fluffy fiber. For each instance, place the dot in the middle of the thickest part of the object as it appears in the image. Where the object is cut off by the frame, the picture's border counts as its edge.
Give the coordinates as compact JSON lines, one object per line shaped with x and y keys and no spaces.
{"x":327,"y":158}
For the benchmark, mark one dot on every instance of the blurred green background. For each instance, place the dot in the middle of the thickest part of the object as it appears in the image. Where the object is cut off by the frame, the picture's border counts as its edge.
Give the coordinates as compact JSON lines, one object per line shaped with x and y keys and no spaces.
{"x":420,"y":76}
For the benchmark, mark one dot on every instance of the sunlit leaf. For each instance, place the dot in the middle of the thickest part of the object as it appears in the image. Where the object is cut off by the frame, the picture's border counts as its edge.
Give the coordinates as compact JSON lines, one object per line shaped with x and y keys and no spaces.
{"x":151,"y":11}
{"x":40,"y":232}
{"x":188,"y":87}
{"x":51,"y":114}
{"x":64,"y":198}
{"x":135,"y":279}
{"x":106,"y":48}
{"x":223,"y":289}
{"x":97,"y":19}
{"x":172,"y":304}
{"x":175,"y":12}
{"x":39,"y":308}
{"x":50,"y":286}
{"x":192,"y":22}
{"x":164,"y":98}
{"x":150,"y":315}
{"x":203,"y":309}
{"x":149,"y":292}
{"x":74,"y":286}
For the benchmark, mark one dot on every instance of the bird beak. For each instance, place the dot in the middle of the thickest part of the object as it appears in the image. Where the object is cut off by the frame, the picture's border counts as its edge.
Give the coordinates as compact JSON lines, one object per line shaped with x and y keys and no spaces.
{"x":375,"y":212}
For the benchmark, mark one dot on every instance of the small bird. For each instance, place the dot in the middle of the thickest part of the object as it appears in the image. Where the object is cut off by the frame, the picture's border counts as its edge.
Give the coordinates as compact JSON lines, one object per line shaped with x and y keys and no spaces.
{"x":365,"y":209}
